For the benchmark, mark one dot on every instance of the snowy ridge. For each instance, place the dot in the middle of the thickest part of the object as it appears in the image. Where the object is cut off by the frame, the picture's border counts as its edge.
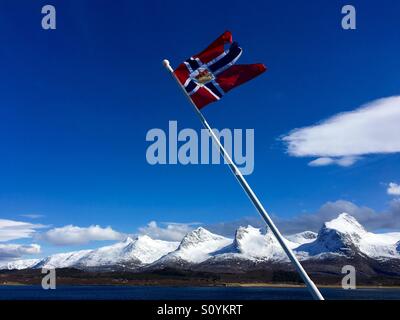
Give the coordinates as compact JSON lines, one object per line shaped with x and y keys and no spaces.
{"x":251,"y":244}
{"x":143,"y":250}
{"x":255,"y":245}
{"x":196,"y":247}
{"x":19,"y":264}
{"x":302,"y":237}
{"x":342,"y":236}
{"x":62,"y":260}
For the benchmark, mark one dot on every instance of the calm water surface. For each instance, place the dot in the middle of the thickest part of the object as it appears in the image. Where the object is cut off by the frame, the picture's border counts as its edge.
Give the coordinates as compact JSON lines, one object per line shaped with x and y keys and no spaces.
{"x":187,"y":293}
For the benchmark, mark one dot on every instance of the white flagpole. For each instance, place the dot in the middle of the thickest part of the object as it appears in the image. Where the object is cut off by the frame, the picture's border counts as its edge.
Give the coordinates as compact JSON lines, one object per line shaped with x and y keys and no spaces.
{"x":309,"y":283}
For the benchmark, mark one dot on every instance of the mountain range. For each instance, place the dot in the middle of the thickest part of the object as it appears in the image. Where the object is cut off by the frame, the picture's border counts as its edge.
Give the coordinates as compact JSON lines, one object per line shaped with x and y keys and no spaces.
{"x":339,"y":240}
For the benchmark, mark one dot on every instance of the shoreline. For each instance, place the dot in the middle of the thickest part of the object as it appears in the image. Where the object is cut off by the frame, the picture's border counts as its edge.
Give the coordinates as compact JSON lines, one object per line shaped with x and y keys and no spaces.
{"x":272,"y":285}
{"x":222,"y":285}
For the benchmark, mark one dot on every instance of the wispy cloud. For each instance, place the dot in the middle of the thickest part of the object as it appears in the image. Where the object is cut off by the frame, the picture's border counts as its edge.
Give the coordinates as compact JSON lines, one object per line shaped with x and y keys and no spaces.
{"x":393,"y":189}
{"x":74,"y":235}
{"x":12,"y":230}
{"x":326,"y":161}
{"x":32,"y":216}
{"x":13,"y":251}
{"x":228,"y":228}
{"x":346,"y":137}
{"x":168,"y":231}
{"x":372,"y":220}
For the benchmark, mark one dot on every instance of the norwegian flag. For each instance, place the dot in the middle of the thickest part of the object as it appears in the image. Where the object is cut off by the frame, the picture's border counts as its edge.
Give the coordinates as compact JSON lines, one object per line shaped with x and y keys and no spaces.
{"x":207,"y":76}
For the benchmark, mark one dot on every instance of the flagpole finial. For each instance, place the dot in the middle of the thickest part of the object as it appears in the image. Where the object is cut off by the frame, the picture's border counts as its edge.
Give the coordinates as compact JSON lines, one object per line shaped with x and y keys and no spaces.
{"x":167,"y":65}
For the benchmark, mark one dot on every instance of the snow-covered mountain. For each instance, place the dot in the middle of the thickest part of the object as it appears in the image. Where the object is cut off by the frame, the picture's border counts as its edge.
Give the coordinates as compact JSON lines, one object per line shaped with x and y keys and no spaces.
{"x":345,"y":236}
{"x":252,"y":244}
{"x":129,"y":253}
{"x":340,"y":237}
{"x":195,"y":247}
{"x":143,"y":250}
{"x":62,"y":260}
{"x":19,"y":264}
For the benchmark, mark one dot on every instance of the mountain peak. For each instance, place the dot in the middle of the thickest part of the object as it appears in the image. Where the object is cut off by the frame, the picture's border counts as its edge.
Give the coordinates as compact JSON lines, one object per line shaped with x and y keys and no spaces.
{"x":195,"y":247}
{"x":143,"y":237}
{"x":242,"y":232}
{"x":128,"y":240}
{"x":247,"y":234}
{"x":341,"y":235}
{"x":345,"y":223}
{"x":198,"y":235}
{"x":201,"y":230}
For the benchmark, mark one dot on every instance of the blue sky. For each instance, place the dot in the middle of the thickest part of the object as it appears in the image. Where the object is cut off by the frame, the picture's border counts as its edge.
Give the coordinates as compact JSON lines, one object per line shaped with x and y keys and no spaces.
{"x":76,"y":104}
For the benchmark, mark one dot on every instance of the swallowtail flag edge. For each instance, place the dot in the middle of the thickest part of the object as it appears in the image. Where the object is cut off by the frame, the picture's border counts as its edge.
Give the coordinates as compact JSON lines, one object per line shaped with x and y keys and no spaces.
{"x":210,"y":74}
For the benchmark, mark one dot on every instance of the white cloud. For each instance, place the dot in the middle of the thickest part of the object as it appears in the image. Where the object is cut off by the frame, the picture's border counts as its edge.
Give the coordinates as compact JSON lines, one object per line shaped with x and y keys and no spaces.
{"x":171,"y":231}
{"x":73,"y":235}
{"x":326,"y":161}
{"x":393,"y":189}
{"x":32,"y":216}
{"x":13,"y":251}
{"x":342,"y":139}
{"x":11,"y":230}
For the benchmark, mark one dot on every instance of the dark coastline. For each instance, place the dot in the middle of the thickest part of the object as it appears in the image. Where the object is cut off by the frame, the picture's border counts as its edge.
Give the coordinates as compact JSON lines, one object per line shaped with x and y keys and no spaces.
{"x":186,"y":278}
